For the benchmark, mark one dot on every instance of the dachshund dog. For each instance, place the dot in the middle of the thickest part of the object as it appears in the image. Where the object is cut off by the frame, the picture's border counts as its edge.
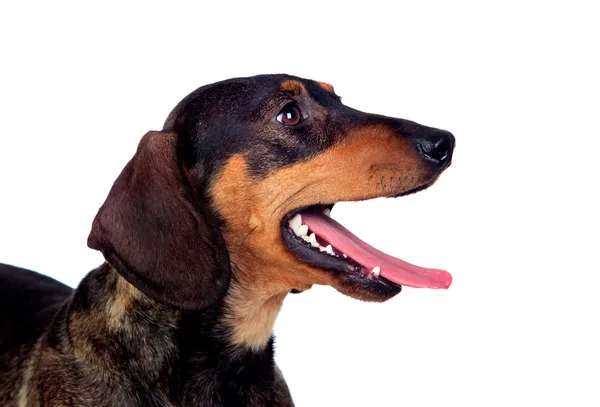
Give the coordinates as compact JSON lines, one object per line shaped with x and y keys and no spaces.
{"x":216,"y":218}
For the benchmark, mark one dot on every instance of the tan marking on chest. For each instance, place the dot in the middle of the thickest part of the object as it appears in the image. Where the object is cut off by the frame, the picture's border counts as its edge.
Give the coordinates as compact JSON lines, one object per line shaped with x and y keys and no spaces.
{"x":120,"y":306}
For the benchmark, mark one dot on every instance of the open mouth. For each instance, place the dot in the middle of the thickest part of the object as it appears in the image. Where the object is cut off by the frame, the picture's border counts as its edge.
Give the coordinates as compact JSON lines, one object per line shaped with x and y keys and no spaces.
{"x":322,"y":242}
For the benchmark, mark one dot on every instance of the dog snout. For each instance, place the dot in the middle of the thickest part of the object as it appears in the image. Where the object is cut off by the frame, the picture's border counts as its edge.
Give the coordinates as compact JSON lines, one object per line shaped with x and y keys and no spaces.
{"x":436,"y":146}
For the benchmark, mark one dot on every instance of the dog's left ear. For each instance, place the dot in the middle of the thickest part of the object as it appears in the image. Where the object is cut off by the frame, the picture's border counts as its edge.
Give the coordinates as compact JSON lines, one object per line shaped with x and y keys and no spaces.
{"x":158,"y":234}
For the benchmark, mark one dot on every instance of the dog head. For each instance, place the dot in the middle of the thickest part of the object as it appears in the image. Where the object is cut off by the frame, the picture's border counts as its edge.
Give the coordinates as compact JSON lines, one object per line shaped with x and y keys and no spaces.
{"x":241,"y":180}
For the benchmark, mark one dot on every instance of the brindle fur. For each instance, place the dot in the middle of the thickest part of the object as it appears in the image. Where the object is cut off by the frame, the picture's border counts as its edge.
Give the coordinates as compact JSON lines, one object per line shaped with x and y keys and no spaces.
{"x":181,"y":314}
{"x":151,"y":355}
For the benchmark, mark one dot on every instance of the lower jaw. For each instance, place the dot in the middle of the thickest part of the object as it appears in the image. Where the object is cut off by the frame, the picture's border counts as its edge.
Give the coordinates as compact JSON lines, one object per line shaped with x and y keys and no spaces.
{"x":373,"y":290}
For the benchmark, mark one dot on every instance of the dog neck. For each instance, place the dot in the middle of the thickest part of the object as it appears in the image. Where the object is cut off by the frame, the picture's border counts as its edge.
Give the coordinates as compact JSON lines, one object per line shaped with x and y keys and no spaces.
{"x":251,"y":309}
{"x":243,"y":319}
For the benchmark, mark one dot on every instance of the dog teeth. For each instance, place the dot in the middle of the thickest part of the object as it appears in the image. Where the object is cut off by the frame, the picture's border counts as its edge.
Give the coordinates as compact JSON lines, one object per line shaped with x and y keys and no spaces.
{"x":303,"y":230}
{"x":345,"y":255}
{"x":327,"y":249}
{"x":296,"y":223}
{"x":327,"y":212}
{"x":376,"y":270}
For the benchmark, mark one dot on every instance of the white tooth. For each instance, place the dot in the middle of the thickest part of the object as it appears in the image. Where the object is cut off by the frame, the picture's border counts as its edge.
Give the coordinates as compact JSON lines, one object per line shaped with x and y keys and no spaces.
{"x":295,"y":222}
{"x":312,"y":239}
{"x":345,"y":255}
{"x":302,"y":230}
{"x":376,"y":270}
{"x":327,"y":212}
{"x":306,"y":239}
{"x":322,"y":249}
{"x":329,"y":250}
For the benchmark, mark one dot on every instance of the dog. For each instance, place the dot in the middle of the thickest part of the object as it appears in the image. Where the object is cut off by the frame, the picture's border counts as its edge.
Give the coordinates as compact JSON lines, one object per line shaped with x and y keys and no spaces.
{"x":216,"y":218}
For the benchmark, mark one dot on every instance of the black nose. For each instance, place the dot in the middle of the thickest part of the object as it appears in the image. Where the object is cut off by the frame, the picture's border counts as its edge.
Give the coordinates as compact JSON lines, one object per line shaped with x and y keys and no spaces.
{"x":436,"y":146}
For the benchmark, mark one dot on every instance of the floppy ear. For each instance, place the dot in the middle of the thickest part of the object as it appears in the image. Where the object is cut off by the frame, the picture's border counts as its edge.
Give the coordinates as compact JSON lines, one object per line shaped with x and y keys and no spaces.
{"x":157,"y":233}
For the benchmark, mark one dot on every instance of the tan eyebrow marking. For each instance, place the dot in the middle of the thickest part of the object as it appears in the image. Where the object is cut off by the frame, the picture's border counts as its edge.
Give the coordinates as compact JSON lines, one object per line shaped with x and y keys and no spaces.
{"x":293,"y":86}
{"x":327,"y":86}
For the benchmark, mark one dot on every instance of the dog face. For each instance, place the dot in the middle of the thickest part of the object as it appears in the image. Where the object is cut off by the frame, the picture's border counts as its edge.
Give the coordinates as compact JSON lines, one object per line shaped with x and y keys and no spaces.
{"x":244,"y":174}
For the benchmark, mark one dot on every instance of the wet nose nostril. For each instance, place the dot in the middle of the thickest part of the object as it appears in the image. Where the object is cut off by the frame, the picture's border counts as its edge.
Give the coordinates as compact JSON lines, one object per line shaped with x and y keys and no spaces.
{"x":440,"y":150}
{"x":436,"y":146}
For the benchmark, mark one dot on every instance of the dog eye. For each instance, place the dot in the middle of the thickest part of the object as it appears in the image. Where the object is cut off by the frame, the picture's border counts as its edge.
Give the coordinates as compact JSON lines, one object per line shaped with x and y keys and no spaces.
{"x":290,"y":115}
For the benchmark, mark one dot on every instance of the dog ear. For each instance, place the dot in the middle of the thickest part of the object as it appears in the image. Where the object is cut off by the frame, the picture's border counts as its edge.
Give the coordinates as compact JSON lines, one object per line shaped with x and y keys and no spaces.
{"x":158,"y":234}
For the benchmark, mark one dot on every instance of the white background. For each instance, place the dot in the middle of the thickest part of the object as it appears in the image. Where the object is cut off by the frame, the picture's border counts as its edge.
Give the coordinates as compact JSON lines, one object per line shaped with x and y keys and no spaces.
{"x":515,"y":219}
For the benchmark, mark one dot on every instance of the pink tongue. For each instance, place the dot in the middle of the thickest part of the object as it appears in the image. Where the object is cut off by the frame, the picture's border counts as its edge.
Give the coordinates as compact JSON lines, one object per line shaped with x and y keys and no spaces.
{"x":393,"y":269}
